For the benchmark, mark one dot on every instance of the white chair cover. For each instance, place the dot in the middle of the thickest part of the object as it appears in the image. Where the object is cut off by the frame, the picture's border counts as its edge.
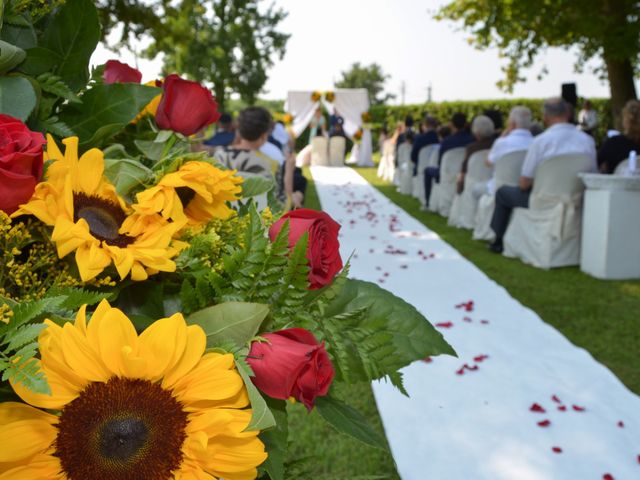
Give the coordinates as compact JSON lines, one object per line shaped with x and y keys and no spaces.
{"x":386,"y":167}
{"x":463,"y":209}
{"x":319,"y":151}
{"x":337,"y":148}
{"x":507,"y":172}
{"x":424,"y":157}
{"x":622,"y":167}
{"x":547,"y":234}
{"x":404,"y":172}
{"x":433,"y":158}
{"x":442,"y":193}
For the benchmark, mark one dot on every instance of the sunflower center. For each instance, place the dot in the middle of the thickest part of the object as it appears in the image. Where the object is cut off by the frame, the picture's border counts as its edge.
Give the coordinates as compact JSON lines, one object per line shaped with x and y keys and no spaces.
{"x":185,"y":194}
{"x":103,"y":217}
{"x":121,"y":439}
{"x":122,"y":429}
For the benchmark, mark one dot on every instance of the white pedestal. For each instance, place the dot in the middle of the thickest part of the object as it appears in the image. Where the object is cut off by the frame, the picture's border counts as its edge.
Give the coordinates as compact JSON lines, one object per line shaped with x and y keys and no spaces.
{"x":611,"y":227}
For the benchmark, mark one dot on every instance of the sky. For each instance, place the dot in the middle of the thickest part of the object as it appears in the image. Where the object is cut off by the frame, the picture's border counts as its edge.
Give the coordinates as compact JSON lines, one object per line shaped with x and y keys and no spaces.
{"x":413,"y":48}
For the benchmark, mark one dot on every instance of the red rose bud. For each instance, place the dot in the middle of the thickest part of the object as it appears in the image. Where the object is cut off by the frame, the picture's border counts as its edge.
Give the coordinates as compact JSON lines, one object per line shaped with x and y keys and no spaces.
{"x":20,"y":163}
{"x":291,"y":364}
{"x":118,"y":72}
{"x":323,"y":250}
{"x":186,"y":107}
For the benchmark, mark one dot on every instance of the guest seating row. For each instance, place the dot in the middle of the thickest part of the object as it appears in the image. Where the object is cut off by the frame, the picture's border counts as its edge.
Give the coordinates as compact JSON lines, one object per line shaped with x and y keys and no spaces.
{"x":546,"y":235}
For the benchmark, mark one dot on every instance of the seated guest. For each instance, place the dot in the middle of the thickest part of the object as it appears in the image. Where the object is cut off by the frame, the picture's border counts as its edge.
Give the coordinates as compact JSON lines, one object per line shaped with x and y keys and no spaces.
{"x":496,"y":118}
{"x":617,"y":148}
{"x":460,"y":137}
{"x":560,"y":138}
{"x":428,"y":137}
{"x":444,"y":131}
{"x":516,"y":137}
{"x":407,"y":127}
{"x":337,"y":131}
{"x":254,"y":126}
{"x":224,"y":134}
{"x":335,"y":121}
{"x":483,"y":130}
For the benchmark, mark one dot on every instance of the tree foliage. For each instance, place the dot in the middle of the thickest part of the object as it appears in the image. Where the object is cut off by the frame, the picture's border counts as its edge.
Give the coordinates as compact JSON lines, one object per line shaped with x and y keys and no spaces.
{"x":604,"y":29}
{"x":370,"y":77}
{"x":228,"y":43}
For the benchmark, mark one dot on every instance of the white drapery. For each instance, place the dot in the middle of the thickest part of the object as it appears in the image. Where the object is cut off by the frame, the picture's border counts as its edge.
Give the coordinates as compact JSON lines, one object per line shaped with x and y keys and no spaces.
{"x":350,"y":104}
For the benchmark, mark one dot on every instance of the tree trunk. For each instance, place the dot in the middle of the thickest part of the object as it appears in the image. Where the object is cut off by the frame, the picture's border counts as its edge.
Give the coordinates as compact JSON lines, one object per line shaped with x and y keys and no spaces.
{"x":621,"y":85}
{"x":220,"y":98}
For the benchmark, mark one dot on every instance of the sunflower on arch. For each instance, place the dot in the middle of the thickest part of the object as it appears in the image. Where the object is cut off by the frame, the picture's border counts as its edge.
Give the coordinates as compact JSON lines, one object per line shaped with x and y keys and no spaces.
{"x":90,"y":218}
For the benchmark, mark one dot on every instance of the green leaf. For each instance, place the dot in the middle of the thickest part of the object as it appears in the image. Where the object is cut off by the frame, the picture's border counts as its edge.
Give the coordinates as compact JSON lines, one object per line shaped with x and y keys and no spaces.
{"x":126,"y":174}
{"x":150,"y":149}
{"x":71,"y":38}
{"x":54,"y":84}
{"x":275,"y":440}
{"x":76,"y":297}
{"x":39,"y":60}
{"x":23,"y":335}
{"x":23,"y":36}
{"x":256,"y":185}
{"x":348,"y":420}
{"x":10,"y":56}
{"x":261,"y":416}
{"x":235,"y":322}
{"x":412,"y":336}
{"x":105,"y":110}
{"x":17,"y":97}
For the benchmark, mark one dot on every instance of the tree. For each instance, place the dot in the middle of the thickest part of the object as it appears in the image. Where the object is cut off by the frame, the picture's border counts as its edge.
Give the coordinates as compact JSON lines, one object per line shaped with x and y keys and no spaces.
{"x":372,"y":78}
{"x":605,"y":29}
{"x":228,"y":43}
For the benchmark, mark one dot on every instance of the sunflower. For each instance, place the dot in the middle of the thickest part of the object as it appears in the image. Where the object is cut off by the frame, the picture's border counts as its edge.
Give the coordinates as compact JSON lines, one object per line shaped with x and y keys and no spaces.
{"x":87,"y":215}
{"x":194,"y":194}
{"x":148,"y":407}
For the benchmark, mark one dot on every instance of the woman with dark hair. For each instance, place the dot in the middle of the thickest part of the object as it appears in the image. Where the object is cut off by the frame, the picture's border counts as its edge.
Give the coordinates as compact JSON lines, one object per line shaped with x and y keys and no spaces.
{"x":616,"y":149}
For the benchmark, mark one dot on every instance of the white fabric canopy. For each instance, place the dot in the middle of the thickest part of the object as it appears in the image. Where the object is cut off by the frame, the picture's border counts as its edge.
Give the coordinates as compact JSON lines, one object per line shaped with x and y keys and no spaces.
{"x":350,"y":103}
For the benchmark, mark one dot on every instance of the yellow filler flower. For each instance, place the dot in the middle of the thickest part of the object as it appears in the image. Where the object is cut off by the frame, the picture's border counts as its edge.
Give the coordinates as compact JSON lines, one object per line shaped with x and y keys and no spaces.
{"x":196,"y":193}
{"x":148,"y":407}
{"x":87,"y":215}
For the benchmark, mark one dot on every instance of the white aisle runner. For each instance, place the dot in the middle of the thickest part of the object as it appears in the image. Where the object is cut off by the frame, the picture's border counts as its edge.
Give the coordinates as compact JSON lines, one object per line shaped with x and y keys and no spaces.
{"x":520,"y":403}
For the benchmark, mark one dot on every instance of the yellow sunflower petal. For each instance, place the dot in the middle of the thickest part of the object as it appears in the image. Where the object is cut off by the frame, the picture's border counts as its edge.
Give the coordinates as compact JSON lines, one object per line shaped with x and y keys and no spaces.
{"x":40,"y":467}
{"x":163,"y":344}
{"x":90,"y":171}
{"x":118,"y":342}
{"x":62,"y":392}
{"x":91,"y":260}
{"x":194,"y":348}
{"x":24,"y":438}
{"x":80,"y":357}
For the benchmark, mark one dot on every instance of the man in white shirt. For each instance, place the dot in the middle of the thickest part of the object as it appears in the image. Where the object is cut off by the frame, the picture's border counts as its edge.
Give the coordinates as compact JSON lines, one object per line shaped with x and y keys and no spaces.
{"x":560,"y":138}
{"x":516,"y":137}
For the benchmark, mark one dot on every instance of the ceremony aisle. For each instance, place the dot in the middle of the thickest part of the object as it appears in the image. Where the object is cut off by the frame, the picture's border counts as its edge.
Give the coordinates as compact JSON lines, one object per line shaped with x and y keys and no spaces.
{"x":520,"y":402}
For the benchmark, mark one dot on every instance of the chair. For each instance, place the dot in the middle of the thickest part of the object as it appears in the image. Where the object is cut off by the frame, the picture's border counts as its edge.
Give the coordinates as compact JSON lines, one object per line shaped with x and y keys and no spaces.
{"x":424,"y":157}
{"x":442,"y":193}
{"x":547,"y":234}
{"x":463,"y":209}
{"x":386,"y":167}
{"x":507,"y":172}
{"x":319,"y":151}
{"x":337,"y":148}
{"x":622,"y":167}
{"x":404,"y":172}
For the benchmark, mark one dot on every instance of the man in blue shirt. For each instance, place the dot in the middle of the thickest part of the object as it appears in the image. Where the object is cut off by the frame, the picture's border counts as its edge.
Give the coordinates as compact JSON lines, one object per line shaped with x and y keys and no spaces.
{"x":225,"y":135}
{"x":429,"y":137}
{"x":460,"y":137}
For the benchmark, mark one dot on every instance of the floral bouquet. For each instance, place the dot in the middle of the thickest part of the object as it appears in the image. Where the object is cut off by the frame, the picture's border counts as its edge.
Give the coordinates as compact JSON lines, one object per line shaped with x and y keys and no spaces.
{"x":316,"y":96}
{"x":329,"y":97}
{"x":357,"y":137}
{"x":366,"y":117}
{"x":154,"y":323}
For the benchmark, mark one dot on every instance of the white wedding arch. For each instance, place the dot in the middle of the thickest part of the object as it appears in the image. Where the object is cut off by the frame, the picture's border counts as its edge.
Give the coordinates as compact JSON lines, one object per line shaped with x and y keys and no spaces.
{"x":350,"y":103}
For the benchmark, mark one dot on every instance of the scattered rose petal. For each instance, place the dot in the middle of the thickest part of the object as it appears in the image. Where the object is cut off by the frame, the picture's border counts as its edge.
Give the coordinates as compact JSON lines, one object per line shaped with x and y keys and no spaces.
{"x":621,"y":424}
{"x":381,"y":280}
{"x":556,"y":449}
{"x":432,"y":255}
{"x":371,"y":250}
{"x":562,"y":408}
{"x":378,"y":268}
{"x":372,"y":237}
{"x":460,"y":371}
{"x":385,"y":274}
{"x":556,"y":399}
{"x":473,"y":368}
{"x":607,"y":476}
{"x":420,"y":252}
{"x":537,"y":408}
{"x":578,"y":408}
{"x":444,"y":324}
{"x":480,"y":358}
{"x":427,"y":359}
{"x":467,"y":319}
{"x":484,"y":322}
{"x":468,"y":306}
{"x":404,"y":266}
{"x":544,"y":423}
{"x":638,"y":458}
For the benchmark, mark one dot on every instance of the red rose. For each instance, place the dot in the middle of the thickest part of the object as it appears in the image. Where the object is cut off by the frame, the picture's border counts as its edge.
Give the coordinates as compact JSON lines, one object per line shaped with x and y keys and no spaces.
{"x":323,"y":251}
{"x":186,"y":107}
{"x":118,"y":72}
{"x":20,"y":162}
{"x":291,"y":364}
